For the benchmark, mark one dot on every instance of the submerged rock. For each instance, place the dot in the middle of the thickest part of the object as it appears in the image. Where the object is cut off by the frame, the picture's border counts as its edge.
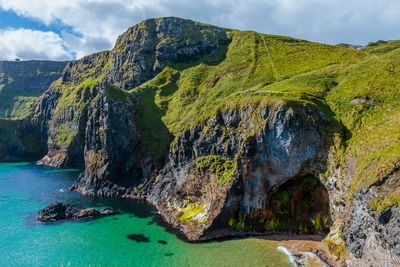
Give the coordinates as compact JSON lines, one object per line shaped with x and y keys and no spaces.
{"x":59,"y":211}
{"x":139,"y":238}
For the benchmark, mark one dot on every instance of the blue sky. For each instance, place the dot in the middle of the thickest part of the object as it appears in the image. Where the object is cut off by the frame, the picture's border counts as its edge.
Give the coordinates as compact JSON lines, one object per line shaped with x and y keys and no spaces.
{"x":71,"y":29}
{"x":11,"y":19}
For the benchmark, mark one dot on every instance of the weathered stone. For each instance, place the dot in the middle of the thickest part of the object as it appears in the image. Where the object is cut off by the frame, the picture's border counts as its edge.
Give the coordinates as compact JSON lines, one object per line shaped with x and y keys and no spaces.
{"x":285,"y":146}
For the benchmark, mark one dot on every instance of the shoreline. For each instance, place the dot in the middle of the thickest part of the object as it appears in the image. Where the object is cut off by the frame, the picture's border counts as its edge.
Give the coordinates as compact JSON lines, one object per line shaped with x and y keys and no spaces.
{"x":301,"y":249}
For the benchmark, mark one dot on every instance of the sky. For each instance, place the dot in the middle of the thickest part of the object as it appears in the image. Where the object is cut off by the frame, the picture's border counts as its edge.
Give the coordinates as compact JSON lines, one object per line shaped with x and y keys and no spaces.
{"x":71,"y":29}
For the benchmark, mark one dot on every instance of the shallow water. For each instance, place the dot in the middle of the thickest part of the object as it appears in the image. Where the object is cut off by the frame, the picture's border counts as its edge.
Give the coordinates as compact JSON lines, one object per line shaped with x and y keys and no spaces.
{"x":132,"y":238}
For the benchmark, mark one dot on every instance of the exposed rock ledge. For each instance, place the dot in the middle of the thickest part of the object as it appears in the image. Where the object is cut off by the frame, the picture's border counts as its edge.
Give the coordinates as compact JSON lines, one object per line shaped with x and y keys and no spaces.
{"x":59,"y":211}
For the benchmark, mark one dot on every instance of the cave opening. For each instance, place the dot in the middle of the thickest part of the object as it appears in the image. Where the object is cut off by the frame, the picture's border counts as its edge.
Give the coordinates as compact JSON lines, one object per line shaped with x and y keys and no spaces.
{"x":300,"y":205}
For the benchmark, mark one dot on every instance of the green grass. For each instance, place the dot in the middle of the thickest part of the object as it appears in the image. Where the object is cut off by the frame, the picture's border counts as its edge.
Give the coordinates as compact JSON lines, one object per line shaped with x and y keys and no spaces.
{"x":65,"y":135}
{"x":222,"y":168}
{"x":382,"y":47}
{"x":154,"y":98}
{"x":375,"y":125}
{"x":251,"y":62}
{"x":116,"y":93}
{"x":380,"y":204}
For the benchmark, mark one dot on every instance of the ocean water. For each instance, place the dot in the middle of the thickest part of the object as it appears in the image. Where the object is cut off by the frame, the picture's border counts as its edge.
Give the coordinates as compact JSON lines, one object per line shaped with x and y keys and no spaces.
{"x":132,"y":238}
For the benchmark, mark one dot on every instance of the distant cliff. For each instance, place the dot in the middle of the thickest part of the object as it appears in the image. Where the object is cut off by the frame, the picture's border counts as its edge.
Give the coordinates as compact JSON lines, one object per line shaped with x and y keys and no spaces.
{"x":22,"y":81}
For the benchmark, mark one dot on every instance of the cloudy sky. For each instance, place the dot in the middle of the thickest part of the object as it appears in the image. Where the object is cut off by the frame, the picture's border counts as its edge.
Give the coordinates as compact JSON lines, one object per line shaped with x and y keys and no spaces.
{"x":71,"y":29}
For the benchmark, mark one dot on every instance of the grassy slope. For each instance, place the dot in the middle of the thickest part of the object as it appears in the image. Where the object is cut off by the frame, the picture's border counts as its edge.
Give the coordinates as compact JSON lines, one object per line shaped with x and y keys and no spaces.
{"x":382,"y":47}
{"x":374,"y":125}
{"x":188,"y":94}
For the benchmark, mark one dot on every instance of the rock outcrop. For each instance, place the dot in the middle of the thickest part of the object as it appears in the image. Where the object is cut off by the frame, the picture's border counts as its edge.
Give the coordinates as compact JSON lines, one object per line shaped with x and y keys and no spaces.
{"x":113,"y":153}
{"x":146,"y":48}
{"x":59,"y":211}
{"x":242,"y":161}
{"x":373,"y":236}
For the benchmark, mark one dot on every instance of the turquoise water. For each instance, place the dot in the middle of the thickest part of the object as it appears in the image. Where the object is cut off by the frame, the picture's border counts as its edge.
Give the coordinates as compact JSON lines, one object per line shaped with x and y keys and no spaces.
{"x":26,"y":188}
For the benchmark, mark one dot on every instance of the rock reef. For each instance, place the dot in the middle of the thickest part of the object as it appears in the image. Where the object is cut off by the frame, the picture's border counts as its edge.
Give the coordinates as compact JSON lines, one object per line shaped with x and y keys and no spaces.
{"x":60,"y":211}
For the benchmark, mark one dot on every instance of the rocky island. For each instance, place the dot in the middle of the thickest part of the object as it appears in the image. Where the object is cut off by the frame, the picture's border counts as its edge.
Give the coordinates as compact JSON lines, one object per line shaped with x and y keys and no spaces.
{"x":231,"y":132}
{"x":60,"y":211}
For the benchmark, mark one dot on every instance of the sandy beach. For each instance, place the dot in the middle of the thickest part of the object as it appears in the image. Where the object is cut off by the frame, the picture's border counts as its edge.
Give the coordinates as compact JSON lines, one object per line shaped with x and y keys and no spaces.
{"x":299,"y":245}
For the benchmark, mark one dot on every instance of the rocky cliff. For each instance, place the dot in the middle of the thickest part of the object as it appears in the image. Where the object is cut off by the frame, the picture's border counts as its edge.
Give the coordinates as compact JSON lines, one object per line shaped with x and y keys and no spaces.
{"x":230,"y":174}
{"x":230,"y":133}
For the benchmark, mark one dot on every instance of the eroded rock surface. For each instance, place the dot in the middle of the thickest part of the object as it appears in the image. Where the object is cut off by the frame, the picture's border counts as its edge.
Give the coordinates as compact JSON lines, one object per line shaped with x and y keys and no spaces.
{"x":253,"y":160}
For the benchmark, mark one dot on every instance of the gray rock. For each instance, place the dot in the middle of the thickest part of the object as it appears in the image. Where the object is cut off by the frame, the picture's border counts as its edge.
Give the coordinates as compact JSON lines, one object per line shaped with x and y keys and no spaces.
{"x":59,"y":211}
{"x":284,"y":147}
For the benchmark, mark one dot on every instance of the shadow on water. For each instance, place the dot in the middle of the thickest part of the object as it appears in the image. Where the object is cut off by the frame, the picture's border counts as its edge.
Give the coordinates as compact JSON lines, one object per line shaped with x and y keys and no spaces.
{"x":139,"y":238}
{"x":134,"y":208}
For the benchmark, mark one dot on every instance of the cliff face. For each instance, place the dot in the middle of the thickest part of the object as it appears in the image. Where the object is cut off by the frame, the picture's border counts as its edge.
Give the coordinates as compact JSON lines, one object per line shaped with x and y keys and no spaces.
{"x":220,"y":175}
{"x":230,"y":132}
{"x":62,"y":110}
{"x":112,"y":160}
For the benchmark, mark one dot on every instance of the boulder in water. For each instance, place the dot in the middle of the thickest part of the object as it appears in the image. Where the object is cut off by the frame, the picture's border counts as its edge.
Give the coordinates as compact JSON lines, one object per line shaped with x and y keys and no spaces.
{"x":60,"y":211}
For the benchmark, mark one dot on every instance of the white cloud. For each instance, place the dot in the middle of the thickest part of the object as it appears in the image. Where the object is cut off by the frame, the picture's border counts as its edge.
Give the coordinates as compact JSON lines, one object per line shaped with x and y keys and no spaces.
{"x":99,"y":22}
{"x":29,"y":44}
{"x":86,"y":45}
